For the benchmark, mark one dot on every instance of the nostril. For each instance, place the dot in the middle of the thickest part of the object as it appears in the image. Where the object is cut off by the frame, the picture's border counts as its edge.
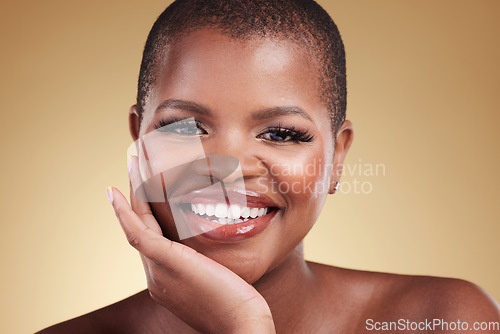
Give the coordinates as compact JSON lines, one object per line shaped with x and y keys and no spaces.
{"x":219,"y":167}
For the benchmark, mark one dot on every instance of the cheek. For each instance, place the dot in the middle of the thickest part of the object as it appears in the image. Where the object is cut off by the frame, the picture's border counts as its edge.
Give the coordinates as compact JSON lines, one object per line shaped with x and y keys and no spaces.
{"x":163,"y":160}
{"x":163,"y":164}
{"x":302,"y":178}
{"x":169,"y":153}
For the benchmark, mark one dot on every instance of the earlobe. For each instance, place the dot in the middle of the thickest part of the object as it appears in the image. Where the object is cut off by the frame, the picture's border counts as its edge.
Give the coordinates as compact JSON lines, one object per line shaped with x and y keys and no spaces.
{"x":334,"y":187}
{"x":336,"y":175}
{"x":343,"y":141}
{"x":134,"y":122}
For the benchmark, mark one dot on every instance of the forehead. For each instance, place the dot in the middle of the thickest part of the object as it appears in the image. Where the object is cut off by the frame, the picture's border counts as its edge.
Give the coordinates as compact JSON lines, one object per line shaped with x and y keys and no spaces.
{"x":215,"y":69}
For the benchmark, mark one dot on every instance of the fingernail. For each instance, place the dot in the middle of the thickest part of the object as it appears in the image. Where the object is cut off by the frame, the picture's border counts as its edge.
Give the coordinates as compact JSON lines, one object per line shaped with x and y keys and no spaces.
{"x":109,"y":193}
{"x":129,"y":163}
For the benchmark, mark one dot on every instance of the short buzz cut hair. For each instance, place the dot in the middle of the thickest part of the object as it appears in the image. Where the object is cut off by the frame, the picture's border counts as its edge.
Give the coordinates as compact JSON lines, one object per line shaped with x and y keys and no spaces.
{"x":302,"y":21}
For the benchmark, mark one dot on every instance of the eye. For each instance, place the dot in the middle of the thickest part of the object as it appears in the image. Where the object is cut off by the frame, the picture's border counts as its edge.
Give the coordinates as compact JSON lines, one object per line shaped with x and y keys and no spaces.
{"x":276,"y":136}
{"x":284,"y":135}
{"x":183,"y":127}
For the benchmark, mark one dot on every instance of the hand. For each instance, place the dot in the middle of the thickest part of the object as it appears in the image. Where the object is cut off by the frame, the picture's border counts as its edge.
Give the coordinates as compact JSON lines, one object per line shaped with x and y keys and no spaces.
{"x":186,"y":282}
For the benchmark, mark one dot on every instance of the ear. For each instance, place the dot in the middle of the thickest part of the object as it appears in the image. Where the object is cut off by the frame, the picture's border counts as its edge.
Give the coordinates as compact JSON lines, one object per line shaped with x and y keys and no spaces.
{"x":343,"y":141}
{"x":134,"y":122}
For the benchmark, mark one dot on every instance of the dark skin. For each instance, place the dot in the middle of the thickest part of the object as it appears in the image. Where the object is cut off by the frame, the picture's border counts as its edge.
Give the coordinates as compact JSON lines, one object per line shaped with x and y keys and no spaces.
{"x":268,"y":286}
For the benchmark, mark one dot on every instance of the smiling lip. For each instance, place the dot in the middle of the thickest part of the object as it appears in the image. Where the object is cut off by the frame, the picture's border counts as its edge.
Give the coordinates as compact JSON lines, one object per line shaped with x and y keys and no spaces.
{"x":228,"y":233}
{"x":237,"y":231}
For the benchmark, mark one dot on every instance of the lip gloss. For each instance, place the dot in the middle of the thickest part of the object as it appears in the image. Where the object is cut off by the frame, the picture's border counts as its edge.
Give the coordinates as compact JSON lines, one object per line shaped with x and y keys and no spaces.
{"x":230,"y":232}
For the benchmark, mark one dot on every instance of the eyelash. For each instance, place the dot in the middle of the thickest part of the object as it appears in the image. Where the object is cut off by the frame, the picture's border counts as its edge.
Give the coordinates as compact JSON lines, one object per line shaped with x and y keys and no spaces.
{"x":295,"y":135}
{"x":181,"y":122}
{"x":281,"y":131}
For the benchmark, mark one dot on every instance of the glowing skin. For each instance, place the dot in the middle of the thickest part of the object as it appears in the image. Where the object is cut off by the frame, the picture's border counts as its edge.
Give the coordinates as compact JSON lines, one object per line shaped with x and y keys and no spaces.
{"x":236,"y":81}
{"x":239,"y":83}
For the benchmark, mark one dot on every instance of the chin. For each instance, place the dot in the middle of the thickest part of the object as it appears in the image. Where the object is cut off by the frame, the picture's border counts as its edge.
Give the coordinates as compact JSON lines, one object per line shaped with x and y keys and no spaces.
{"x":249,"y":276}
{"x":246,"y":263}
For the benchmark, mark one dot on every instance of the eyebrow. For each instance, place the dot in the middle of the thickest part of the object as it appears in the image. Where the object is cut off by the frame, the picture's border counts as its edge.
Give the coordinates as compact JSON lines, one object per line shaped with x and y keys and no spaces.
{"x":259,"y":115}
{"x":281,"y":111}
{"x":183,"y":105}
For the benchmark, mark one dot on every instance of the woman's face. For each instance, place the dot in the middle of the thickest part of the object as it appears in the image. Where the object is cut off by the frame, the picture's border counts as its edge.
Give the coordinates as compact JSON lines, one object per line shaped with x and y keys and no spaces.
{"x":255,"y":103}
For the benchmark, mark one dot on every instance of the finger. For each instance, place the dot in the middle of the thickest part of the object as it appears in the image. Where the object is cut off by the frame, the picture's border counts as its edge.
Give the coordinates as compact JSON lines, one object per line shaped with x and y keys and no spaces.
{"x":139,"y":235}
{"x":147,"y":269}
{"x":141,"y":208}
{"x":155,"y":247}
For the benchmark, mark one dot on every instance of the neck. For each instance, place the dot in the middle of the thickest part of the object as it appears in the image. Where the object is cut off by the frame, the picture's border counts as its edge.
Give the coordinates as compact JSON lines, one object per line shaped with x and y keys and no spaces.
{"x":288,"y":290}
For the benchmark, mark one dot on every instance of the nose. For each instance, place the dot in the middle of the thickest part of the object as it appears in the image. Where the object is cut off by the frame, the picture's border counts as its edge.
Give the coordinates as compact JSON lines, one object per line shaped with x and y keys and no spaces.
{"x":229,"y":165}
{"x":221,"y":167}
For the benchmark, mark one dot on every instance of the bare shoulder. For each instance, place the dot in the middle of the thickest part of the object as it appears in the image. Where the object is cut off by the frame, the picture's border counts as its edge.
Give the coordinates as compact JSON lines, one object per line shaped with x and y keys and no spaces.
{"x":389,"y":297}
{"x":452,"y":298}
{"x":129,"y":315}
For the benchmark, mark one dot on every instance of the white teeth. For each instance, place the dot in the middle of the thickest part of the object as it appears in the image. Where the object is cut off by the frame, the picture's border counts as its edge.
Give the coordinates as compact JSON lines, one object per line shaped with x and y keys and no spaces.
{"x":245,"y":212}
{"x":229,"y":221}
{"x":221,"y":210}
{"x":209,"y":210}
{"x":234,"y":211}
{"x":254,"y":212}
{"x":201,"y":209}
{"x":228,"y":214}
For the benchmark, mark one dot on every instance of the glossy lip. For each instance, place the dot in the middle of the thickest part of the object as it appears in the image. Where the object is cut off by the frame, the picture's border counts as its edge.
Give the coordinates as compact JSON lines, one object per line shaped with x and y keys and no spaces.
{"x":227,"y":233}
{"x":231,"y":232}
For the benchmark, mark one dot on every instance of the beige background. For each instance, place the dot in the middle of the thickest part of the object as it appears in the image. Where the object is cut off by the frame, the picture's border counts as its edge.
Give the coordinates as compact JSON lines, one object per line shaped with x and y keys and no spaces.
{"x":423,"y":79}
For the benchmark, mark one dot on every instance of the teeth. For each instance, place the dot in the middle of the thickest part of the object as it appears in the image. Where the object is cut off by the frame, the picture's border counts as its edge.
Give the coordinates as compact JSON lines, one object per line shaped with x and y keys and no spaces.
{"x":221,"y":210}
{"x":201,"y":209}
{"x":254,"y":212}
{"x":227,"y":214}
{"x":229,"y":221}
{"x":209,"y":210}
{"x":245,"y":212}
{"x":234,"y":211}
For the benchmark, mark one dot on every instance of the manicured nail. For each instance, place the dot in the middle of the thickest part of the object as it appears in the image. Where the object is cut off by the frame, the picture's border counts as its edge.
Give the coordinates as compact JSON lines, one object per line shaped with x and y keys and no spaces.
{"x":129,"y":163}
{"x":109,"y":193}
